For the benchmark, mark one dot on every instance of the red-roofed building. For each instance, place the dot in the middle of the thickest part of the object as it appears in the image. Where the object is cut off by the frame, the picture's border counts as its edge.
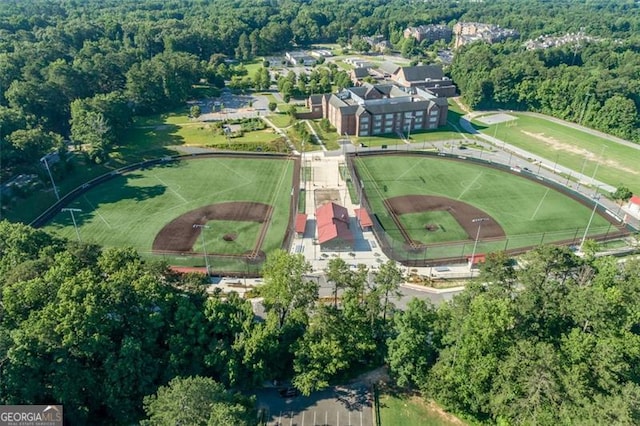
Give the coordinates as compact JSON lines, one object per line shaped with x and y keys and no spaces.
{"x":634,"y":206}
{"x":363,"y":219}
{"x":301,"y":223}
{"x":334,"y":234}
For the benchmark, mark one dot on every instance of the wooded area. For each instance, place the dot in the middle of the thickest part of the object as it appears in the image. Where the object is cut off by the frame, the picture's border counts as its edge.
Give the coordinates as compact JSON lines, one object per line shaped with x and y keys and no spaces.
{"x":99,"y":330}
{"x":81,"y":71}
{"x":115,"y":338}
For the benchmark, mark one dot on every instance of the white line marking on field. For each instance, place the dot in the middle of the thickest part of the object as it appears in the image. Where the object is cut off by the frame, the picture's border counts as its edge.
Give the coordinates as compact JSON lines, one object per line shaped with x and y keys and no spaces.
{"x":231,"y":170}
{"x":540,"y":204}
{"x":97,"y":212}
{"x":408,"y":170}
{"x":470,"y":185}
{"x":170,"y":188}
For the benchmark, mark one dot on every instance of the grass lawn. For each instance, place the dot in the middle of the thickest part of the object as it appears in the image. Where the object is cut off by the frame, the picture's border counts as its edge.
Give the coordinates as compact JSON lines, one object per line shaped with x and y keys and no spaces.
{"x":444,"y":133}
{"x":253,"y":66}
{"x":448,"y":228}
{"x":572,"y":148}
{"x":528,"y":212}
{"x":130,"y":210}
{"x":412,"y":411}
{"x":330,"y":139}
{"x":245,"y":237}
{"x":281,"y":119}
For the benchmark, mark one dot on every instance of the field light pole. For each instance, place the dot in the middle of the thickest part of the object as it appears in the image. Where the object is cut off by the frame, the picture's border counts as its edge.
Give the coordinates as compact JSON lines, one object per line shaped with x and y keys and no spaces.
{"x":46,"y":165}
{"x":411,"y":118}
{"x":479,"y":221}
{"x":598,"y":163}
{"x":73,"y":218}
{"x":204,"y":243}
{"x":593,"y":213}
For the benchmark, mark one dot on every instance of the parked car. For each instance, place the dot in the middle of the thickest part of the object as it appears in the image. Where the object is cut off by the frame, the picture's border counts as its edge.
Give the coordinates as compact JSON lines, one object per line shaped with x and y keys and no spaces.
{"x":289,"y":392}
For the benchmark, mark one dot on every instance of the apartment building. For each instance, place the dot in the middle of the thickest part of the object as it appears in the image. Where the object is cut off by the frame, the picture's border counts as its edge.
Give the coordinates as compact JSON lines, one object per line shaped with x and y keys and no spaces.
{"x":429,"y":32}
{"x":380,"y":109}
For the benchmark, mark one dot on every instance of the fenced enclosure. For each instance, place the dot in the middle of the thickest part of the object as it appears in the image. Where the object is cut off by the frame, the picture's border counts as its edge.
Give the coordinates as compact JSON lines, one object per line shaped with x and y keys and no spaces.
{"x":531,"y":209}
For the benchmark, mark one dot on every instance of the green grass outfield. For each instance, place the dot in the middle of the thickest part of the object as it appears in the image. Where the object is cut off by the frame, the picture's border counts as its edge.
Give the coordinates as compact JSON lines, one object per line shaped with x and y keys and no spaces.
{"x":529,"y":212}
{"x":130,"y":210}
{"x":572,"y":148}
{"x":412,"y":411}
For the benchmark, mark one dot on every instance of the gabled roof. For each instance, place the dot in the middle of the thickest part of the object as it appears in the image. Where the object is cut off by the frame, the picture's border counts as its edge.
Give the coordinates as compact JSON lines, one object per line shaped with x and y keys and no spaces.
{"x":361,"y":72}
{"x":421,"y":73}
{"x":389,"y":67}
{"x":301,"y":223}
{"x":332,"y":221}
{"x":363,"y":218}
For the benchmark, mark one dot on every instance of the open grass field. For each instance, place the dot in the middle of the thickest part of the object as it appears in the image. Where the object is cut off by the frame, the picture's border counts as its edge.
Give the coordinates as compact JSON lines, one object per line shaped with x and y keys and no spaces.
{"x":572,"y":148}
{"x":412,"y":411}
{"x":528,"y":212}
{"x":130,"y":210}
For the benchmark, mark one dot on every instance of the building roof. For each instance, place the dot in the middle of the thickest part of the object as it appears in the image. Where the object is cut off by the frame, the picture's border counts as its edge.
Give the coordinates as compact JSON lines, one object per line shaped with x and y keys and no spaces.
{"x":421,"y":73}
{"x":332,"y":221}
{"x":389,"y":67}
{"x":635,"y":200}
{"x":361,"y":72}
{"x":301,"y":223}
{"x":363,"y":218}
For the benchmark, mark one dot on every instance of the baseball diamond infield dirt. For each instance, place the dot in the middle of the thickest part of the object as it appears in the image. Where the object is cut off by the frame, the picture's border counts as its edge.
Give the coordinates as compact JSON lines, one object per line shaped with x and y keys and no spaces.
{"x":179,"y":235}
{"x":462,"y":212}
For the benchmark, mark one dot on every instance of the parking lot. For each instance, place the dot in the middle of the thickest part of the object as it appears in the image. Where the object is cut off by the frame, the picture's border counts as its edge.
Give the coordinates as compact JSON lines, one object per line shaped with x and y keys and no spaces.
{"x":338,"y":406}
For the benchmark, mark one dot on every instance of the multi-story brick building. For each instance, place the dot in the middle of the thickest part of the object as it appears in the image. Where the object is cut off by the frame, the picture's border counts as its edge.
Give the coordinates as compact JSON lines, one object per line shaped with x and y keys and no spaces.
{"x":379,"y":109}
{"x":468,"y":32}
{"x":429,"y":32}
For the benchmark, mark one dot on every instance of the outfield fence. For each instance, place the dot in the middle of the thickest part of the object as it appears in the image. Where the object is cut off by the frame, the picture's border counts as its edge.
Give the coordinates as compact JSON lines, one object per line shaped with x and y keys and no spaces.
{"x":395,"y":246}
{"x":239,"y":265}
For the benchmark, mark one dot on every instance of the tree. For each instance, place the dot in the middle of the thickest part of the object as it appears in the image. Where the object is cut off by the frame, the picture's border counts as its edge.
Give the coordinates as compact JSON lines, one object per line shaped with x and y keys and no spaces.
{"x":387,"y":279}
{"x":338,"y":273}
{"x":412,"y":350}
{"x":197,"y":401}
{"x":195,"y":111}
{"x":286,"y":290}
{"x":622,"y":194}
{"x":92,"y":130}
{"x":272,"y":106}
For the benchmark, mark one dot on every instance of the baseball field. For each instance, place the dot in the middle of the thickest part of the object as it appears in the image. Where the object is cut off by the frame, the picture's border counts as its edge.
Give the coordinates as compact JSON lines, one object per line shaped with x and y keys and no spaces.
{"x":233,"y":209}
{"x":432,"y":207}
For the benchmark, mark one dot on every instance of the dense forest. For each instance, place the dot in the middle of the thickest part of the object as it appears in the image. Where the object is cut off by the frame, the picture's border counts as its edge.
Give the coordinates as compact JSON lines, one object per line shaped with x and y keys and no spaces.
{"x":556,"y":341}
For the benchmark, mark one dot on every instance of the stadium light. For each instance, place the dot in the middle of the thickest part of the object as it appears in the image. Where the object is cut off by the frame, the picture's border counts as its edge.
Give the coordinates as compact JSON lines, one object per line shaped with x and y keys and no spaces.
{"x":46,"y":165}
{"x":73,"y":218}
{"x":204,"y":243}
{"x":479,"y":221}
{"x":596,"y":197}
{"x":598,"y":164}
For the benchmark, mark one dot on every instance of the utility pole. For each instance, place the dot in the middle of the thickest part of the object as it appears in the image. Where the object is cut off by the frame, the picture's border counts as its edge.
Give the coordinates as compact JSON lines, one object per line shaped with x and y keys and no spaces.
{"x":204,"y":243}
{"x":479,"y":221}
{"x":46,"y":165}
{"x":593,"y":213}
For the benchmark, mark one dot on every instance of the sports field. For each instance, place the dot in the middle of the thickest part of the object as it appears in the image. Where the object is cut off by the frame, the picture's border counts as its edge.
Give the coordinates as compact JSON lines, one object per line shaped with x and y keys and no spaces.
{"x":153,"y":210}
{"x":572,"y":148}
{"x":435,"y":203}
